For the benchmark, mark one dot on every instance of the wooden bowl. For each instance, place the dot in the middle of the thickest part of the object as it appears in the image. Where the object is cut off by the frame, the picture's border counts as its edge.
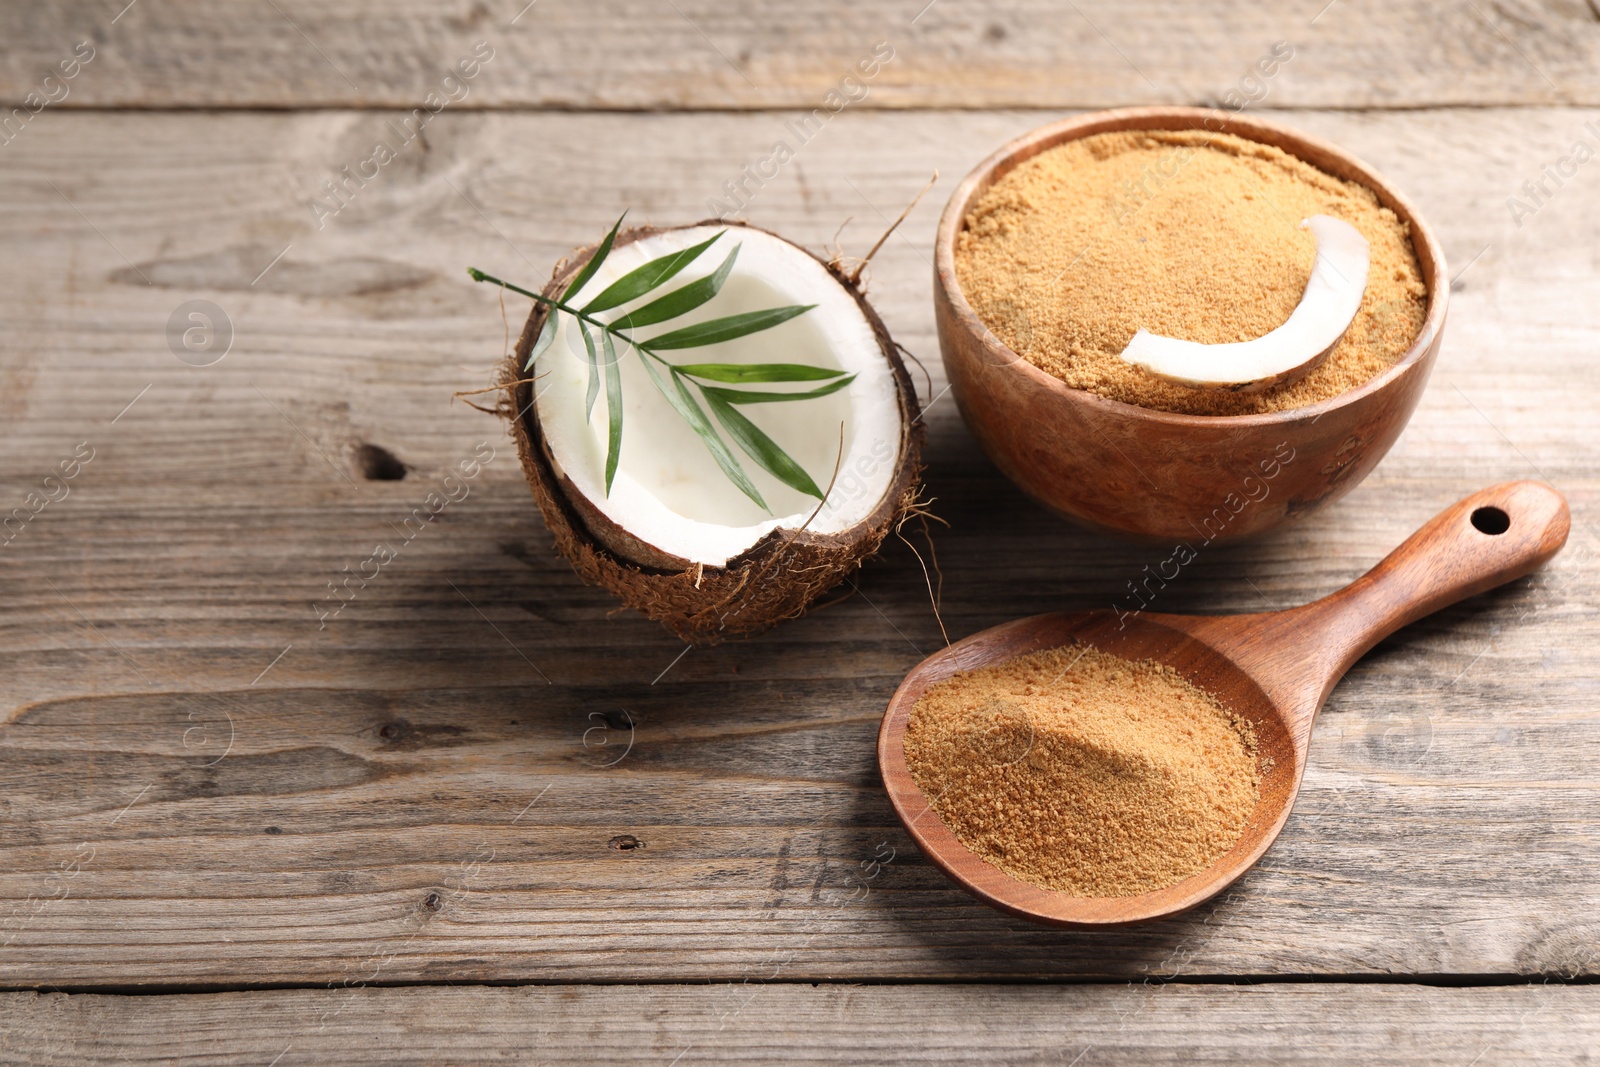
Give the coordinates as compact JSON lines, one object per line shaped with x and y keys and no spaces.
{"x":1153,"y":474}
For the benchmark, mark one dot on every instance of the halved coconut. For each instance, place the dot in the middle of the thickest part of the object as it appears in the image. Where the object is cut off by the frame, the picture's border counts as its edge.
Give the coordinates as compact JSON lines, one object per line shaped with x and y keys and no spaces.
{"x":674,"y":537}
{"x":1327,"y":307}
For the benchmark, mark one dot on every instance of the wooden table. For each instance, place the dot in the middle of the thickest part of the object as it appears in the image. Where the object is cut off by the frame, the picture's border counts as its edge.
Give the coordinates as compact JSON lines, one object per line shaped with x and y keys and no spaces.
{"x":425,"y":830}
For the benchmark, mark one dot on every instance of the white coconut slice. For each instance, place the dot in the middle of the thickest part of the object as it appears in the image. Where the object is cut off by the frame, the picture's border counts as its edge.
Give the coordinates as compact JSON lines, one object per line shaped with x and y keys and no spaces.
{"x":1326,"y":309}
{"x":674,"y":537}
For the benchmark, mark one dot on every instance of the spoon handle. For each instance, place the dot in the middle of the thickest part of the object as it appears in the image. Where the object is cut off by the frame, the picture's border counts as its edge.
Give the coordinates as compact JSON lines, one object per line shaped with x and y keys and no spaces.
{"x":1488,"y":539}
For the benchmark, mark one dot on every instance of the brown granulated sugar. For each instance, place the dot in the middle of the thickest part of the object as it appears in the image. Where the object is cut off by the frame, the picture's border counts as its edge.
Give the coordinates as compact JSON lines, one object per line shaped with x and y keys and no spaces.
{"x":1077,"y":770}
{"x":1187,"y":234}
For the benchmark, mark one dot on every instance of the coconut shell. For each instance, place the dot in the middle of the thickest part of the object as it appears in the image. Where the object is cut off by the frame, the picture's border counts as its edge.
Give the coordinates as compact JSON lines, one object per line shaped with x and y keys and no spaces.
{"x":778,"y":578}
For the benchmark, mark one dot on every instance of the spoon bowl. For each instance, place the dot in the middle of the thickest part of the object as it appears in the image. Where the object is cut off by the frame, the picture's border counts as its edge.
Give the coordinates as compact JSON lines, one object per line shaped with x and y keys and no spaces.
{"x":1274,"y":669}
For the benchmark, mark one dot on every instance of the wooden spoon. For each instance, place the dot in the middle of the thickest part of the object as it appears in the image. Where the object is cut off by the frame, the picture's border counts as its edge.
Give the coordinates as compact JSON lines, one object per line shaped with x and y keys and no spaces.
{"x":1275,"y":669}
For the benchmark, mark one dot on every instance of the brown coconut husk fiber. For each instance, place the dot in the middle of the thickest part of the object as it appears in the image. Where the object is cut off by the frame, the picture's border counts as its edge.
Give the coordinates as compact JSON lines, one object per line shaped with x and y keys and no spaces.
{"x":778,"y":578}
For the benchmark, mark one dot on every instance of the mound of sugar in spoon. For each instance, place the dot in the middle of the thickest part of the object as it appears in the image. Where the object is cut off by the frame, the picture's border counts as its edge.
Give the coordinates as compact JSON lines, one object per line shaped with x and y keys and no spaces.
{"x":1076,"y":770}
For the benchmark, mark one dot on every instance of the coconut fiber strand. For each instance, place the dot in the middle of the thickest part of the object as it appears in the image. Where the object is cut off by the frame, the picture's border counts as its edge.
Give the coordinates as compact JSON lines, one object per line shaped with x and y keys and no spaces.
{"x":1186,"y":234}
{"x":1077,"y":770}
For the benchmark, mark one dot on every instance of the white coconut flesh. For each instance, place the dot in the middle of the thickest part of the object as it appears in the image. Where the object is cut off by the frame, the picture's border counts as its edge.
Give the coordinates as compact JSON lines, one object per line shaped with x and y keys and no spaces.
{"x":669,"y":491}
{"x":1326,"y":309}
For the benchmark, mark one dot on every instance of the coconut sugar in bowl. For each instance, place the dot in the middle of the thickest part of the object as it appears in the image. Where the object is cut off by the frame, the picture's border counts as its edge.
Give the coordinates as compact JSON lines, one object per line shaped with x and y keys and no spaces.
{"x":1159,"y":461}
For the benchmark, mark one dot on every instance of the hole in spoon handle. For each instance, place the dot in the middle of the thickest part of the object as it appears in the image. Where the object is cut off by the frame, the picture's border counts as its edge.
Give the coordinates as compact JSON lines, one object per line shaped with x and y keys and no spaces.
{"x":1488,"y":539}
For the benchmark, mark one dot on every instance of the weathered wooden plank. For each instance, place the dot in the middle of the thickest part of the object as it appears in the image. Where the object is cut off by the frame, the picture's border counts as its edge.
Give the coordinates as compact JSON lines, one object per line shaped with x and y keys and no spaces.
{"x":704,"y":54}
{"x":789,"y":1024}
{"x":184,"y":806}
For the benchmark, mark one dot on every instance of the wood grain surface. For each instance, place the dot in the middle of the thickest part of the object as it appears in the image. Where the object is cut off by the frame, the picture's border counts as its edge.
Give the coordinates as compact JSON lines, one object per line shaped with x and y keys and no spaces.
{"x":701,"y":54}
{"x":205,"y":786}
{"x":1091,"y":1025}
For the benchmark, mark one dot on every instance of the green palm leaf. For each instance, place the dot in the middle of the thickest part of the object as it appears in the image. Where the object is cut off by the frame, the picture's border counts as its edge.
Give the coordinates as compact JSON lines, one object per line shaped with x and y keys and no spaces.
{"x":761,"y":448}
{"x":594,"y":368}
{"x":757,"y":396}
{"x":683,"y":403}
{"x":679,"y":301}
{"x":728,"y":328}
{"x":595,"y":260}
{"x":613,"y":411}
{"x":546,"y":336}
{"x":723,"y":402}
{"x":641,"y":280}
{"x":757,"y":372}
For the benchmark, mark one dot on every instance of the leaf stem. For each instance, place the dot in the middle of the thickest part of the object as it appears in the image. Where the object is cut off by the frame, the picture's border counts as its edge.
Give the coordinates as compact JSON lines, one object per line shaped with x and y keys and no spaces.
{"x":479,"y":276}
